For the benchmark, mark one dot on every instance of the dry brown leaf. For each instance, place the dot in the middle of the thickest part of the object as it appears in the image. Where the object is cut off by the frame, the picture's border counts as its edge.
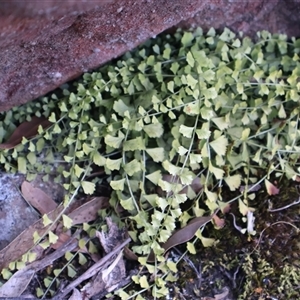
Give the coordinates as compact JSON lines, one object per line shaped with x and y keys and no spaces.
{"x":178,"y":237}
{"x":63,"y":237}
{"x":85,"y":213}
{"x":88,"y":211}
{"x":37,"y":198}
{"x":183,"y":235}
{"x":27,"y":129}
{"x":17,"y":284}
{"x":24,"y":241}
{"x":129,"y":254}
{"x":38,"y":252}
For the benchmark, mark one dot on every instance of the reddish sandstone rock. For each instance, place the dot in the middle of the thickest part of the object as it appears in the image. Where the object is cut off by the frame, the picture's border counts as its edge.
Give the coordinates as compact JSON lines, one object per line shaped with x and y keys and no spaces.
{"x":46,"y":43}
{"x":51,"y":9}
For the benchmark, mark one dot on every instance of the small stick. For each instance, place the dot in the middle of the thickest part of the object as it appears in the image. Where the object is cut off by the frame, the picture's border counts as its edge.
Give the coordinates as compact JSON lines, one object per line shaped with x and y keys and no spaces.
{"x":91,"y":271}
{"x":284,"y":207}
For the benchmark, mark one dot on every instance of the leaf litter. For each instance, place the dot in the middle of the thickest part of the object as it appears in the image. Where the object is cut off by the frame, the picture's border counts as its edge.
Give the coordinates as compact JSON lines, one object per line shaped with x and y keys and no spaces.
{"x":79,"y":214}
{"x":113,"y":267}
{"x":18,"y":283}
{"x":106,"y":274}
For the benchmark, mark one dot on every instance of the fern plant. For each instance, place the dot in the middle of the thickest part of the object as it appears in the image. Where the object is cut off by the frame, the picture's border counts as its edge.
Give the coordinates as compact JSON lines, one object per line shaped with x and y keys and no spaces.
{"x":219,"y":109}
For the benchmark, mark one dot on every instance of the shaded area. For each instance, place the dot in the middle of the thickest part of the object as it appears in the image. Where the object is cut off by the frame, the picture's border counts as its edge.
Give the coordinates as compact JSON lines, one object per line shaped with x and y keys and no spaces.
{"x":263,"y":266}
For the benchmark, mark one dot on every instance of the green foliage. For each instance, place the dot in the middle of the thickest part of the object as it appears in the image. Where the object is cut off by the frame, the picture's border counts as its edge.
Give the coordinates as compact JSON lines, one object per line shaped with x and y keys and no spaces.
{"x":220,"y":107}
{"x":264,"y":271}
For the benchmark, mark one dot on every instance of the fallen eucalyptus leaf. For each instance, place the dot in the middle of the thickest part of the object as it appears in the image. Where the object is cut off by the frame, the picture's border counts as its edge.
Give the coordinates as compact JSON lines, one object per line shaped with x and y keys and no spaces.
{"x":24,"y":241}
{"x":183,"y":235}
{"x":37,"y":198}
{"x":88,"y":211}
{"x":27,"y":129}
{"x":18,"y":283}
{"x":85,"y":213}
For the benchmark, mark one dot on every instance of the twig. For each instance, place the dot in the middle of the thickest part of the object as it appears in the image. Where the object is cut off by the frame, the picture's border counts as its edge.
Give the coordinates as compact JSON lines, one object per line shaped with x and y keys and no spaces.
{"x":284,"y":207}
{"x":91,"y":271}
{"x":18,"y":283}
{"x":235,"y":274}
{"x":70,"y":245}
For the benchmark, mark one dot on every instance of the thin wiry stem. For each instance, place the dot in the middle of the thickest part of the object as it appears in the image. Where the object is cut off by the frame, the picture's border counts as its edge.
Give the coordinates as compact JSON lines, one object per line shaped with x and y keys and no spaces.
{"x":284,"y":207}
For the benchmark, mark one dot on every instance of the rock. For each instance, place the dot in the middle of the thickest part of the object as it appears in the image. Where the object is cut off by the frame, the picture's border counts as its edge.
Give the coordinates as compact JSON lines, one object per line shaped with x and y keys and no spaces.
{"x":51,"y":9}
{"x":51,"y":42}
{"x":15,"y":213}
